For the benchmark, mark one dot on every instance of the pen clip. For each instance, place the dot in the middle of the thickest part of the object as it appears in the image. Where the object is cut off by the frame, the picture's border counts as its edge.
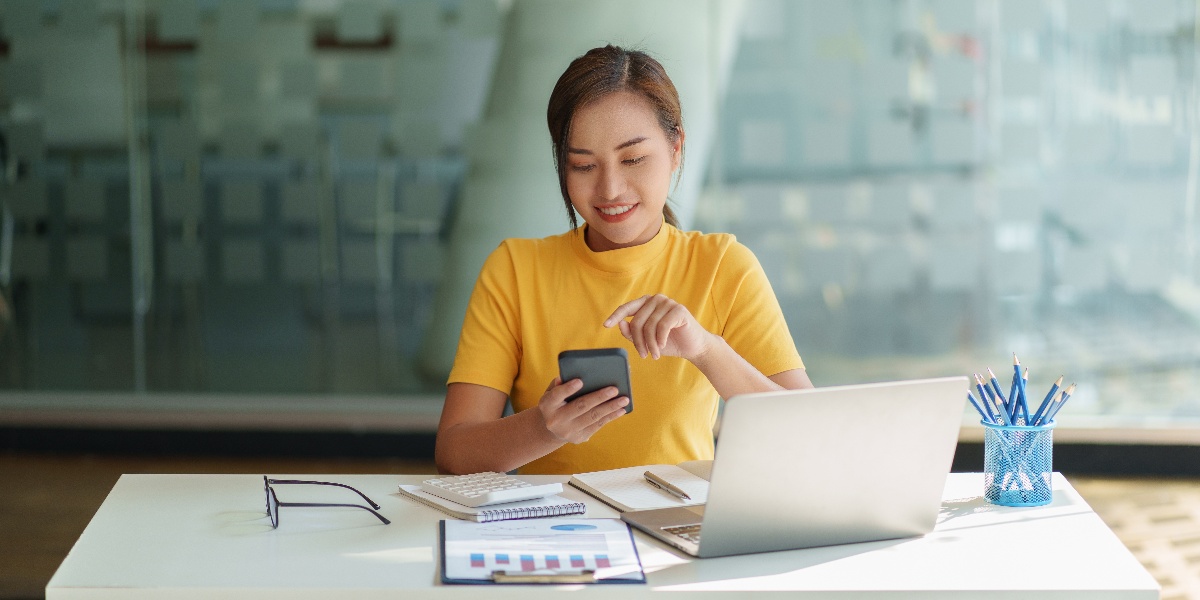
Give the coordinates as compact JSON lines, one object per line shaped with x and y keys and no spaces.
{"x":568,"y":577}
{"x":665,"y":486}
{"x":663,"y":489}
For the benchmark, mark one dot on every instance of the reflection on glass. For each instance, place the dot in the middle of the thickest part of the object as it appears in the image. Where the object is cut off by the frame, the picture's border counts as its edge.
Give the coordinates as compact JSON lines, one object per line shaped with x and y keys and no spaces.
{"x":930,"y":187}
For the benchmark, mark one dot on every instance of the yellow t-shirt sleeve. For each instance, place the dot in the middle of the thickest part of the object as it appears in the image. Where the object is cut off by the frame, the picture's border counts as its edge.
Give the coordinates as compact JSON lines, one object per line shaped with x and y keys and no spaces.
{"x":752,"y":322}
{"x":489,"y":346}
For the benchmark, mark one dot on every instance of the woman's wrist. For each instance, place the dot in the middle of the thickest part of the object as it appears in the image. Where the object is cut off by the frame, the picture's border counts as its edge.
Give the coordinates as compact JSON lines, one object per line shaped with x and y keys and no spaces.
{"x":709,"y":352}
{"x":541,"y":431}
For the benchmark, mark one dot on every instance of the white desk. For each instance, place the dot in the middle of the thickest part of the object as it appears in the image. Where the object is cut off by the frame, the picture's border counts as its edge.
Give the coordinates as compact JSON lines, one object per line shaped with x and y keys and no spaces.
{"x":203,"y":536}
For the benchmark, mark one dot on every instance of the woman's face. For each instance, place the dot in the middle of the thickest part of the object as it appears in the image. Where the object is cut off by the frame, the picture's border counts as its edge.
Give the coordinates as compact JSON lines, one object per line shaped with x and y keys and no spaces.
{"x":619,"y":168}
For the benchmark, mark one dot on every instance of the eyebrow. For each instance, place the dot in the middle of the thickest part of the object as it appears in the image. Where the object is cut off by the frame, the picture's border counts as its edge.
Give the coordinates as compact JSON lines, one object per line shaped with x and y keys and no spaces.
{"x":636,"y":140}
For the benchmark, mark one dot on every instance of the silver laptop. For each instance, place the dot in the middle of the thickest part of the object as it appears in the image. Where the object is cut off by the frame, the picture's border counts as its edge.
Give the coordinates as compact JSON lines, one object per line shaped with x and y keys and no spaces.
{"x":833,"y":465}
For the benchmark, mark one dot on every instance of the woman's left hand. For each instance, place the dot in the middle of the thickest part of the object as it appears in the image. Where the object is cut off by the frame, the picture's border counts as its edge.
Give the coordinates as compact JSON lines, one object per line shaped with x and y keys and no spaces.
{"x":659,"y":326}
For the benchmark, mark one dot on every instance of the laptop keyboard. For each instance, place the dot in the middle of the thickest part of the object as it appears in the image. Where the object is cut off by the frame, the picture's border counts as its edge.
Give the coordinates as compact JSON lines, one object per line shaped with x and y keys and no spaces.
{"x":690,"y":533}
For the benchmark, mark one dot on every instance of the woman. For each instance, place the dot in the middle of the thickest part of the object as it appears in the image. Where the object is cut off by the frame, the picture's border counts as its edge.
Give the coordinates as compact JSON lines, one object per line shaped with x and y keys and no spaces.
{"x":697,"y":309}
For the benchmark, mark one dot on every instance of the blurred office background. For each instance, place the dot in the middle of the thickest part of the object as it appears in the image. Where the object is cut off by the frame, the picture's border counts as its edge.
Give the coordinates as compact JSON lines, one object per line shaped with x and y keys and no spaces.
{"x":263,"y":214}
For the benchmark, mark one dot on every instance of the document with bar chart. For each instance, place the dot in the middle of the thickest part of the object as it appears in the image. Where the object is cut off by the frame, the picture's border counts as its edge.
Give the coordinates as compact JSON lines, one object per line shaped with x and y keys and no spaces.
{"x":552,"y":551}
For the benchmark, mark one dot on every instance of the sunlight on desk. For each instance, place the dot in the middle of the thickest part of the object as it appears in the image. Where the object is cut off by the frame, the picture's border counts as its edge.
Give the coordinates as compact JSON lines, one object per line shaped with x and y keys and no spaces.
{"x":419,"y":554}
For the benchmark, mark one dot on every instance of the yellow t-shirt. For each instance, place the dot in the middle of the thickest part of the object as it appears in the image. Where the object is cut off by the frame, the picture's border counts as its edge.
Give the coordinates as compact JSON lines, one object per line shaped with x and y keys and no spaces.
{"x":537,"y":297}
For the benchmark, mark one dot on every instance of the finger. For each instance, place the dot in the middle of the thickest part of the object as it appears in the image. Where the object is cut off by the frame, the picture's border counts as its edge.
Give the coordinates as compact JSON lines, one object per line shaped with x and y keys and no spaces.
{"x":624,"y":326}
{"x":556,"y":381}
{"x":602,"y":420}
{"x":604,"y":412}
{"x":558,"y":394}
{"x":637,"y":326}
{"x":673,"y":320}
{"x":654,"y":341}
{"x":587,"y":402}
{"x":625,"y":310}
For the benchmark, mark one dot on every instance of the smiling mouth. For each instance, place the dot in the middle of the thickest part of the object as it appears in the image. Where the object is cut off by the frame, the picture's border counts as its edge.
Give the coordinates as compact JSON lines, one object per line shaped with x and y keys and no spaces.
{"x":616,"y":210}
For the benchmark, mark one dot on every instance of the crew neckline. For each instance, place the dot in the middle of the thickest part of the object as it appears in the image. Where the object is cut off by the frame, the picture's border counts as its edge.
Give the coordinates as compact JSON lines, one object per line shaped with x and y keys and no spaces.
{"x":621,"y":260}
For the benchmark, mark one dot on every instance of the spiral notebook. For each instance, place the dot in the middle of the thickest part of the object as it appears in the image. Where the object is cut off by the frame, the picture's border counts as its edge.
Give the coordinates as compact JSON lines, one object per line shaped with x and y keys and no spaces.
{"x":627,"y":489}
{"x":549,"y":506}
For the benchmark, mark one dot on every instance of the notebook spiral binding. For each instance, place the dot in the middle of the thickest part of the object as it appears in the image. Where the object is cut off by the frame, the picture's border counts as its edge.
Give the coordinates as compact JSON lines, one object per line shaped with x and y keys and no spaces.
{"x":502,"y":514}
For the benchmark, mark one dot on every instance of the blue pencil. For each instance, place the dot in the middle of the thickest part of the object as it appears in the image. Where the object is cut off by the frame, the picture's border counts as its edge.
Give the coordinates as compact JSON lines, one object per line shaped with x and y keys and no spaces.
{"x":1050,"y":409}
{"x":1000,"y":409}
{"x":1046,"y":403}
{"x":996,"y":386}
{"x":1024,"y":388}
{"x":1014,"y":389}
{"x":1019,"y":381}
{"x":1066,"y":395}
{"x":983,"y":409}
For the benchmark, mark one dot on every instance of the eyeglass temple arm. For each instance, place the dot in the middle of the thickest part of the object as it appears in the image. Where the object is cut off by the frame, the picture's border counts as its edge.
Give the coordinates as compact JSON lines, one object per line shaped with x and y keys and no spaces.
{"x":317,"y":504}
{"x":342,"y":485}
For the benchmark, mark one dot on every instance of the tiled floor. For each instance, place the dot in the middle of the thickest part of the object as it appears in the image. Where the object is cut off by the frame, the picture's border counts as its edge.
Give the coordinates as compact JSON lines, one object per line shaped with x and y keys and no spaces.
{"x":1159,"y":520}
{"x":45,"y":502}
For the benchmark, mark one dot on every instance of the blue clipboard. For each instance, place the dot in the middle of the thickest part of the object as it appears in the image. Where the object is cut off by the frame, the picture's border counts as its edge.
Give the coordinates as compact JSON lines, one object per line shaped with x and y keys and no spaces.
{"x":493,"y":565}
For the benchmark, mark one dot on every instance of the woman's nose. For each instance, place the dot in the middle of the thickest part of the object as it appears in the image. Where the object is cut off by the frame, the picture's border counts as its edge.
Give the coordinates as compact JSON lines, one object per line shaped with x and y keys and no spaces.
{"x":610,"y":184}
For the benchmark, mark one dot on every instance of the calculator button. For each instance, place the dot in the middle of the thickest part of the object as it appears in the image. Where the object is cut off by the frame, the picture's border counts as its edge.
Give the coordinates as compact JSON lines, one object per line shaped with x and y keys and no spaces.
{"x":482,"y":489}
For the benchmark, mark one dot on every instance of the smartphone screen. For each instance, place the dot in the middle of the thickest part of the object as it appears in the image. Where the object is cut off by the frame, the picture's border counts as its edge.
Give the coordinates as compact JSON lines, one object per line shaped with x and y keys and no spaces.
{"x":597,"y":368}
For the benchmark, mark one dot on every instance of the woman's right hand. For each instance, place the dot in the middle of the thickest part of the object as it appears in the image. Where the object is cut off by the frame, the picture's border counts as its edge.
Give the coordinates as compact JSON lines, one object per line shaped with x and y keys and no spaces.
{"x":577,"y":420}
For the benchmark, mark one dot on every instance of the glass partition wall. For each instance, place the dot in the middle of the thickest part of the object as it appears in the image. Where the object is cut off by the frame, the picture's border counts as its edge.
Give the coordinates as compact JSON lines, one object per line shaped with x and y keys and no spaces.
{"x":231,"y":196}
{"x":933,"y":186}
{"x":213,"y":197}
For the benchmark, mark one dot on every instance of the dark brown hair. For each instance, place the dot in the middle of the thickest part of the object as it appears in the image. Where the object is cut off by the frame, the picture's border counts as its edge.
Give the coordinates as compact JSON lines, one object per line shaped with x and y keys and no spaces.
{"x":596,"y":74}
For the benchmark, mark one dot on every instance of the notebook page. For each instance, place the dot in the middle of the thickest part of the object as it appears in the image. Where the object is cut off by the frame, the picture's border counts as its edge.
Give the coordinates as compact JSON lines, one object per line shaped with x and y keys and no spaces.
{"x":629,"y":487}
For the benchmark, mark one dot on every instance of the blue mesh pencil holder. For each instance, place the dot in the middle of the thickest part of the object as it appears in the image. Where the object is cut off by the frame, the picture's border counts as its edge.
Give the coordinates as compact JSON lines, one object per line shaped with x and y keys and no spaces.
{"x":1017,"y":463}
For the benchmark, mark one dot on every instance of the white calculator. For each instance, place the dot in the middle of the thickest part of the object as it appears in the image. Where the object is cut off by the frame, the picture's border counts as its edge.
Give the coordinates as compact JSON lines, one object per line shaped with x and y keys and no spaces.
{"x":482,"y":489}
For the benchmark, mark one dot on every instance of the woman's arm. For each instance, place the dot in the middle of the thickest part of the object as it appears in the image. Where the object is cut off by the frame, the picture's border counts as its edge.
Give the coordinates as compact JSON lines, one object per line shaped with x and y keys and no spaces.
{"x":659,"y":326}
{"x":472,"y":437}
{"x":733,"y":375}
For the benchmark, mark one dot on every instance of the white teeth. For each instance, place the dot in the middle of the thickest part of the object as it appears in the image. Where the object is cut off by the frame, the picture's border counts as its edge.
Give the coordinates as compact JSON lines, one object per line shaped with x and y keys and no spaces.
{"x":616,"y":210}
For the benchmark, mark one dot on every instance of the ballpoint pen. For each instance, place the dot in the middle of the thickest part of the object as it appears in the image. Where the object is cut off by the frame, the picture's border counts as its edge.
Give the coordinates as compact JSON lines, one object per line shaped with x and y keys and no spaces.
{"x":666,"y":486}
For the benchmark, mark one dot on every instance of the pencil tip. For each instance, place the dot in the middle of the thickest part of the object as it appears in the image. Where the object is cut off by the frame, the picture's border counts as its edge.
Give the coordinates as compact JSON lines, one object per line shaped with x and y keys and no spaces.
{"x":1060,"y":378}
{"x":1015,"y":361}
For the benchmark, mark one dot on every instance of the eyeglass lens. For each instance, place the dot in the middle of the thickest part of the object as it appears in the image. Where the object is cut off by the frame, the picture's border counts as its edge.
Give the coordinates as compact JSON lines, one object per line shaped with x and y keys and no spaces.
{"x":272,"y":507}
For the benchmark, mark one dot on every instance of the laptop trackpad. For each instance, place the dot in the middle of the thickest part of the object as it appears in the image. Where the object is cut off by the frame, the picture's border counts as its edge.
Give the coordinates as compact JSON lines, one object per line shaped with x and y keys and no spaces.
{"x":665,"y":517}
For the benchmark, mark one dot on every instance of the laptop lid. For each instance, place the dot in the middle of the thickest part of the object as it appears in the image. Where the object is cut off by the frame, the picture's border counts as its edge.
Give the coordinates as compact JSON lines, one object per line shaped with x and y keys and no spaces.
{"x":834,"y":465}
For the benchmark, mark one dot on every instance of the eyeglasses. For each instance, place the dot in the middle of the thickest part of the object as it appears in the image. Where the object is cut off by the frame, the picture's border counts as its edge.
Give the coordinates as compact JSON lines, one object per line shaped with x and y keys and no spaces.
{"x":273,"y":502}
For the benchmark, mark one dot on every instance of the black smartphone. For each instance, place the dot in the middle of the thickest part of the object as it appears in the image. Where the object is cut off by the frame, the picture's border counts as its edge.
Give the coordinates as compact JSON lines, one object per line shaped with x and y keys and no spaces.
{"x":597,"y":368}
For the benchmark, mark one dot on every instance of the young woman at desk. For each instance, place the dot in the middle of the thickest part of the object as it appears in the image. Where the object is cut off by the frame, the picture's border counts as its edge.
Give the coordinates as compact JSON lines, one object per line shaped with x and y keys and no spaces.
{"x":697,"y":308}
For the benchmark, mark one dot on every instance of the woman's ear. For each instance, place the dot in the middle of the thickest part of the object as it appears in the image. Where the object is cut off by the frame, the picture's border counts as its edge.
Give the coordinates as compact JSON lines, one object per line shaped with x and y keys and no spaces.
{"x":677,"y":149}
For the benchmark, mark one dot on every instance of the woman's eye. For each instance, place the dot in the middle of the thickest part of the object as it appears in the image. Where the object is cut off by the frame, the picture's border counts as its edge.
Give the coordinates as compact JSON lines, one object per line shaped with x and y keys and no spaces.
{"x":582,"y":168}
{"x":634,"y":161}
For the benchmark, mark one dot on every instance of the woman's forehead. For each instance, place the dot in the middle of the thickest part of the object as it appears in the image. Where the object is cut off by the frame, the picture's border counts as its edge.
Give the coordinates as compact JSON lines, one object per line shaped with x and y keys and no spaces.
{"x":612,"y":120}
